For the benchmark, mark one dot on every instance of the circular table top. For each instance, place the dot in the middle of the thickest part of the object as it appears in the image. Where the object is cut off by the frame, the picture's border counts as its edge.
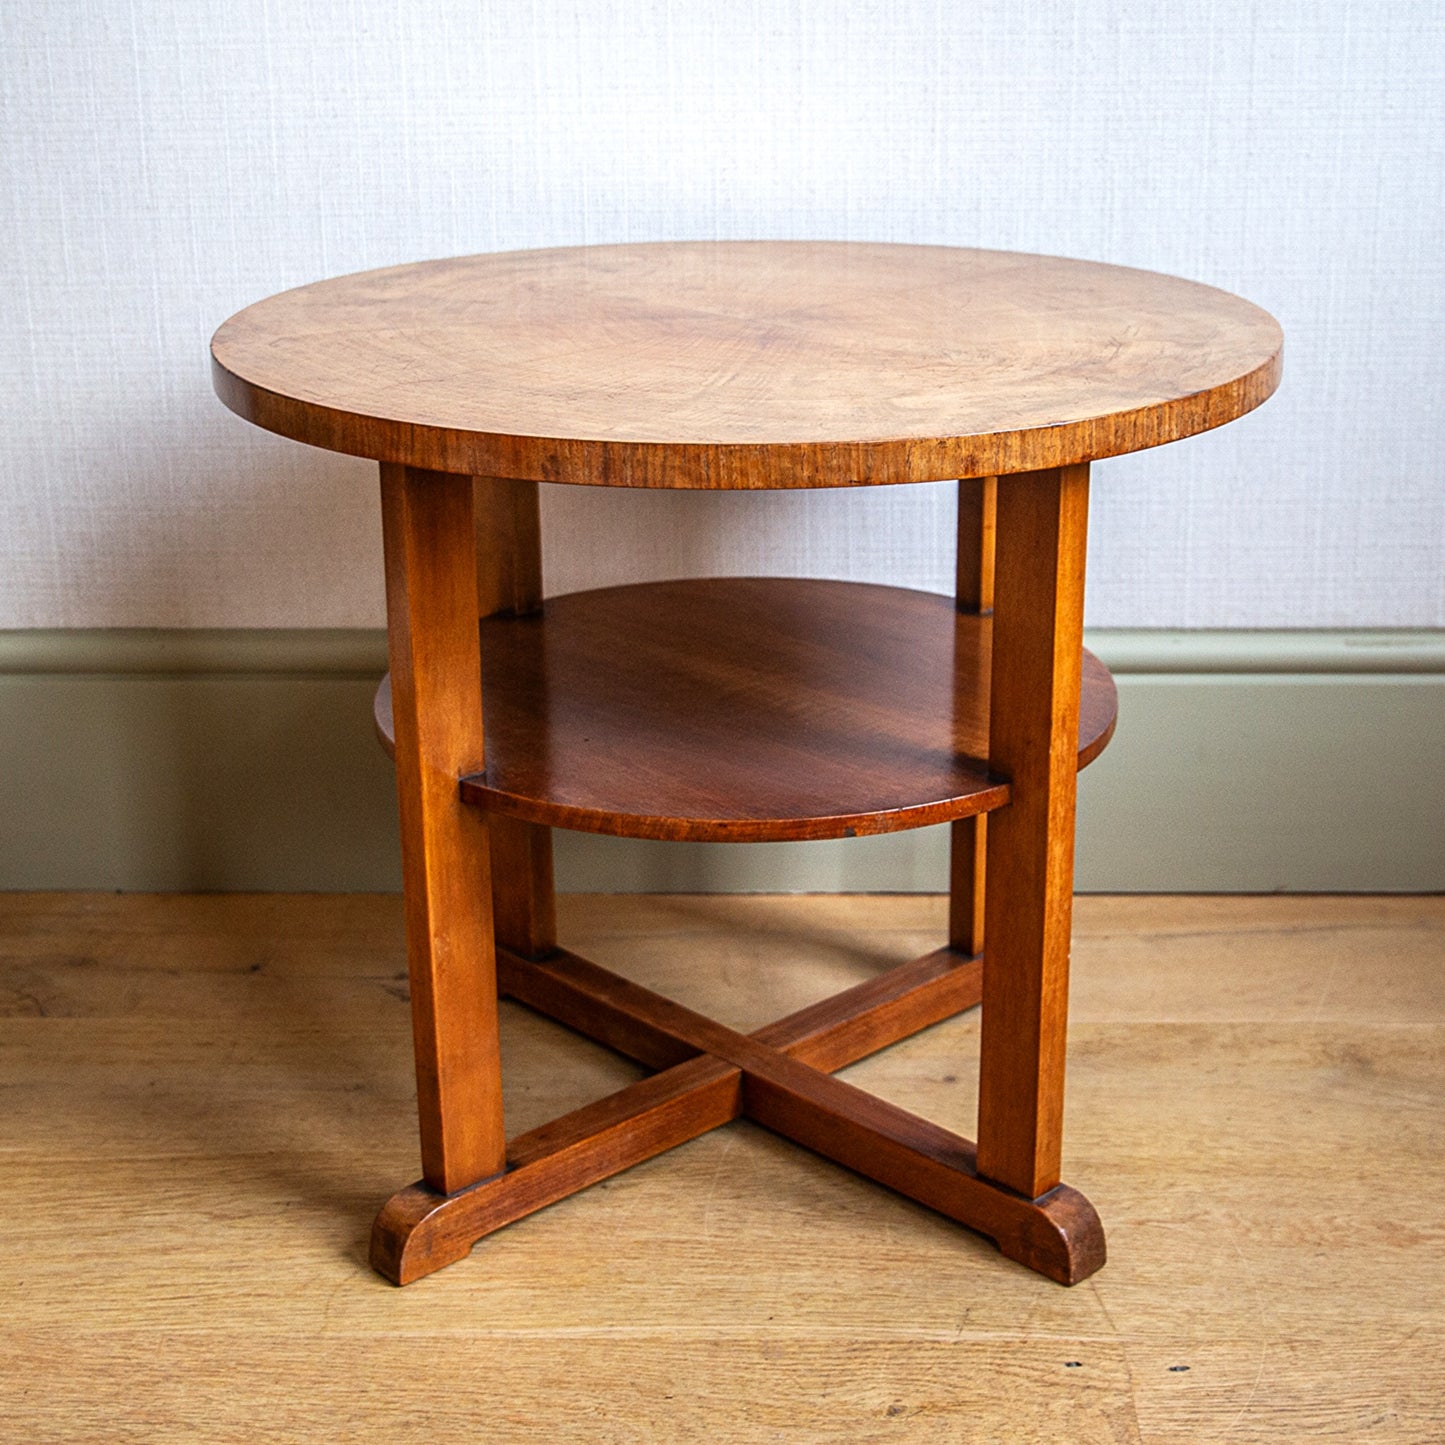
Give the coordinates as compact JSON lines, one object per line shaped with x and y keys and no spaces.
{"x":746,"y":364}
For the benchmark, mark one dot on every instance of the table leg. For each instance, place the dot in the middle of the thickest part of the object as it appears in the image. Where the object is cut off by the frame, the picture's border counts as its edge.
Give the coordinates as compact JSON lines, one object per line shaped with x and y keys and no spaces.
{"x":973,"y":594}
{"x":437,"y":705}
{"x":508,"y":532}
{"x":1033,"y":741}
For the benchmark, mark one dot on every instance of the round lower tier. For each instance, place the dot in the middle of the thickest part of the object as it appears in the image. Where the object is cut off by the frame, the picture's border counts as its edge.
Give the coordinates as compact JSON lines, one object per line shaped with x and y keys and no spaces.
{"x":743,"y":710}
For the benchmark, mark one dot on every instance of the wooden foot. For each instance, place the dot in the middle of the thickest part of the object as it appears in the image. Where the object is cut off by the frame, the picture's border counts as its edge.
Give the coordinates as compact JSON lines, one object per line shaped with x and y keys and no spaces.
{"x":1062,"y":1238}
{"x":779,"y":1076}
{"x":420,"y":1230}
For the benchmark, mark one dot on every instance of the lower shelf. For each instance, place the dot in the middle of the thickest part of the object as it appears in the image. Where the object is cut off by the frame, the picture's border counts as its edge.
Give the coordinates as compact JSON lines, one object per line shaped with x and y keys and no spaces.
{"x":744,"y":710}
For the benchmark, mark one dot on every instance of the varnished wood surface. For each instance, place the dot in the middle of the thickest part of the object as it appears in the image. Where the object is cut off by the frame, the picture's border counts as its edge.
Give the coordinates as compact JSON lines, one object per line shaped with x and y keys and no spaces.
{"x":746,"y":364}
{"x":1038,"y":630}
{"x":507,"y":521}
{"x":743,"y":709}
{"x":431,"y":590}
{"x":420,"y":1231}
{"x":208,"y":1095}
{"x":973,"y":593}
{"x":1059,"y":1235}
{"x":507,"y":526}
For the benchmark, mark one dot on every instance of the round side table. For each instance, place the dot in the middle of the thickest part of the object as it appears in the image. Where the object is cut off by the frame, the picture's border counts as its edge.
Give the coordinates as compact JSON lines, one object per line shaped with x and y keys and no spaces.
{"x":740,"y":709}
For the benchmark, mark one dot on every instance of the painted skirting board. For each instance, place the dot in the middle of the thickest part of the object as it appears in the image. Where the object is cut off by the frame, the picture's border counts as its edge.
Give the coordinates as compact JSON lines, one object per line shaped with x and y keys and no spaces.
{"x":1244,"y":761}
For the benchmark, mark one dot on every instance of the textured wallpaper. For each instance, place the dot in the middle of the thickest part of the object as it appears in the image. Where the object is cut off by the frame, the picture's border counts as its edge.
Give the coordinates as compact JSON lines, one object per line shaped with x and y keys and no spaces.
{"x":166,"y":162}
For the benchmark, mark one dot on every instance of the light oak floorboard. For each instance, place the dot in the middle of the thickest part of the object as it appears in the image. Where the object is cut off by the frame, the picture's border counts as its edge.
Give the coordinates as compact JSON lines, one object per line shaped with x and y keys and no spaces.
{"x":207,"y":1098}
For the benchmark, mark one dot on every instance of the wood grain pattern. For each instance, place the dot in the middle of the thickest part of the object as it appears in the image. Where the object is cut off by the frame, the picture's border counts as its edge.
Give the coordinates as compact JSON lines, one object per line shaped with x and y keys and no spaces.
{"x":1059,"y":1235}
{"x":851,"y":1025}
{"x":1033,"y":719}
{"x":524,"y":904}
{"x":421,"y":1230}
{"x":975,"y":554}
{"x":829,"y":1034}
{"x":973,"y":595}
{"x":210,"y":1094}
{"x":437,"y":702}
{"x":508,"y":529}
{"x":507,"y":521}
{"x":744,"y":364}
{"x":553,"y":992}
{"x":967,"y":860}
{"x":743,"y":709}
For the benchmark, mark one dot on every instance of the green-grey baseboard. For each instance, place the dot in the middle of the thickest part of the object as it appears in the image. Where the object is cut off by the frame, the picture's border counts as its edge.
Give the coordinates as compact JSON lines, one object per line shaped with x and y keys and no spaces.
{"x":1243,"y":762}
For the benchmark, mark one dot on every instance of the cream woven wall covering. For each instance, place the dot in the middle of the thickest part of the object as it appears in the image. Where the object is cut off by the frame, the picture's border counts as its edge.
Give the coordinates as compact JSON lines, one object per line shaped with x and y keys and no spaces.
{"x":166,"y":162}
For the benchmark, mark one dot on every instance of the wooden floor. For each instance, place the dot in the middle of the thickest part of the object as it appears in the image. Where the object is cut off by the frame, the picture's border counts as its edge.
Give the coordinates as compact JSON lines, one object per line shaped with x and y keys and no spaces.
{"x":206,"y":1098}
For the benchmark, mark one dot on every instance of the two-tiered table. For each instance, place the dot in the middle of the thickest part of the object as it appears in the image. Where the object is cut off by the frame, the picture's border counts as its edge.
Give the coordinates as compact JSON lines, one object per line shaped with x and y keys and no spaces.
{"x":740,"y":709}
